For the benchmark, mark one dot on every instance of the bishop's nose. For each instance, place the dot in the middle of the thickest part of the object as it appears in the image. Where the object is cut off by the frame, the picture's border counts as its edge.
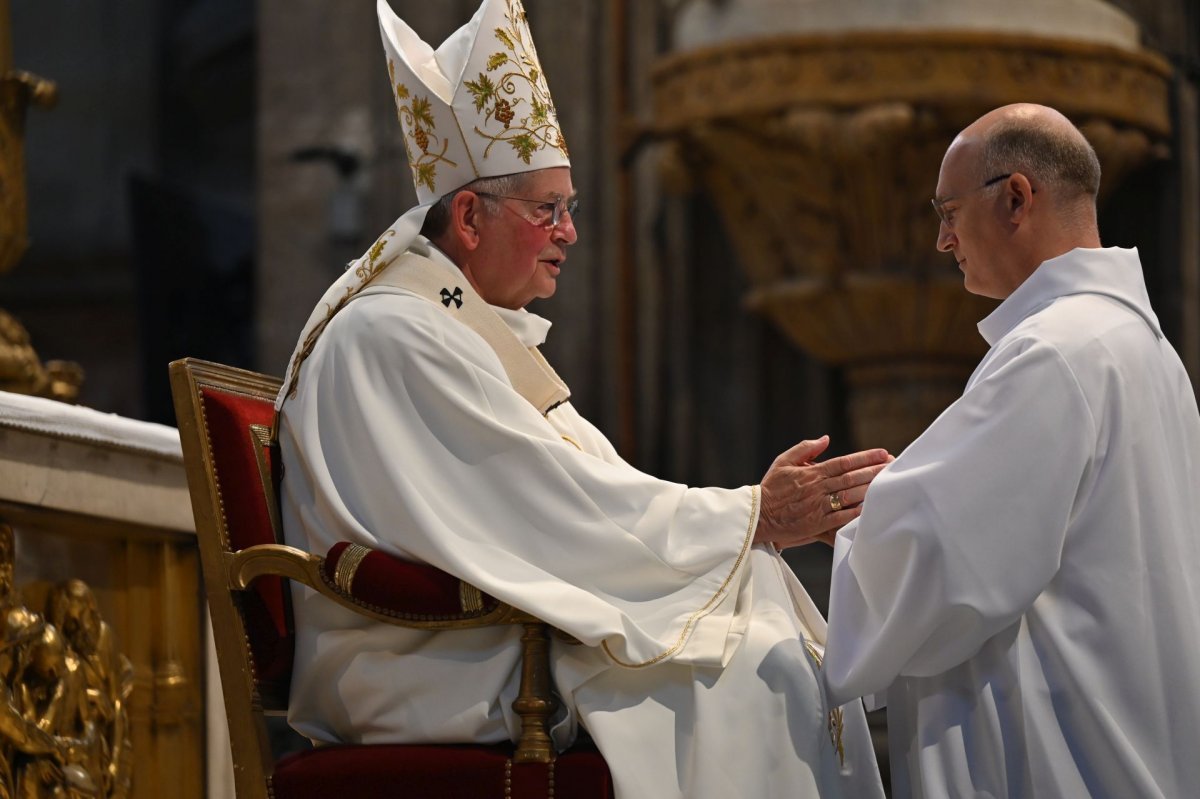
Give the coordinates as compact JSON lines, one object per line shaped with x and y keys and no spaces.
{"x":565,"y":233}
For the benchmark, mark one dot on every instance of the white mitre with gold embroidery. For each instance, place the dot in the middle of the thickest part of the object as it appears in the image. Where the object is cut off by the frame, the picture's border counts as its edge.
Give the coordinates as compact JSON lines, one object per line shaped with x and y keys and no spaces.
{"x":476,"y":107}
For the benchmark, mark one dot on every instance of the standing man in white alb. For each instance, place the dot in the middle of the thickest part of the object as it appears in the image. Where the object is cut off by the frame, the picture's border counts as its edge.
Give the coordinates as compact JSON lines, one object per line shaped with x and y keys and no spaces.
{"x":1024,"y":580}
{"x":418,"y":418}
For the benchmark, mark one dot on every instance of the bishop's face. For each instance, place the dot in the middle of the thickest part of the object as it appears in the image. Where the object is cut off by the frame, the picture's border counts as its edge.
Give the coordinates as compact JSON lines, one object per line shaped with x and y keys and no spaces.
{"x":520,"y":252}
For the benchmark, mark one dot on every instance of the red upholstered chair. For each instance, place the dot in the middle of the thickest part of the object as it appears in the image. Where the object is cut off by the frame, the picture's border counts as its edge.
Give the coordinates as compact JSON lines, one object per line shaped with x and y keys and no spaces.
{"x":225,"y":420}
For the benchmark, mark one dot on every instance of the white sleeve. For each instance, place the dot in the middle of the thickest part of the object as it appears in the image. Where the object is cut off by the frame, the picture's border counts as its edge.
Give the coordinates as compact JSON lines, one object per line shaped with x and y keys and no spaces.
{"x":965,"y":529}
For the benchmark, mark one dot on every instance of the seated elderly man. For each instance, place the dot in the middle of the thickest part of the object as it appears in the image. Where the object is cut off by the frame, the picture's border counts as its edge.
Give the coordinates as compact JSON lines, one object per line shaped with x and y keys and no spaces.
{"x":419,"y":418}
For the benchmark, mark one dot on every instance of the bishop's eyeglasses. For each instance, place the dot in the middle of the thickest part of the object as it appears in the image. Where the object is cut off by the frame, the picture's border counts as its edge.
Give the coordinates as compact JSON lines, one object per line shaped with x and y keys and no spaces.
{"x":546,"y":213}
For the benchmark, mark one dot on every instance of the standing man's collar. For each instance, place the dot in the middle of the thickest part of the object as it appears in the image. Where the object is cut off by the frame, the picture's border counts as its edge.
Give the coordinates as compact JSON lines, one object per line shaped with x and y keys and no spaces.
{"x":1112,"y":272}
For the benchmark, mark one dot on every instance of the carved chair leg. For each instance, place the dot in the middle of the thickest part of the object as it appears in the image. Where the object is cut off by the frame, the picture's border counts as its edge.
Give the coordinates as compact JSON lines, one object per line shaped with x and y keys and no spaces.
{"x":535,"y":702}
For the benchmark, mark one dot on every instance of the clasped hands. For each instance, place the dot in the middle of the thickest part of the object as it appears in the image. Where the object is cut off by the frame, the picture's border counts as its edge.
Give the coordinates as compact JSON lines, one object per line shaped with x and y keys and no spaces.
{"x":802,"y":501}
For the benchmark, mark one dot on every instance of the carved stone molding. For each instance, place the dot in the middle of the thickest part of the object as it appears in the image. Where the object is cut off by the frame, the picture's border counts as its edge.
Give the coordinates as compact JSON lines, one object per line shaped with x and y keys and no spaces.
{"x":821,"y":154}
{"x":969,"y":71}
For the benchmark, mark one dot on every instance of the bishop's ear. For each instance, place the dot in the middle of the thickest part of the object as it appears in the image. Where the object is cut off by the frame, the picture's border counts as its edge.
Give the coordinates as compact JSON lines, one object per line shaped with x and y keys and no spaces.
{"x":466,"y":213}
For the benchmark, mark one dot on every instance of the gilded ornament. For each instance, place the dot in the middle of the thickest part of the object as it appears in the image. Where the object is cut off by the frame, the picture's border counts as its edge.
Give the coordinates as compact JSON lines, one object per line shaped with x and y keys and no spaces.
{"x":64,"y":694}
{"x":20,"y":370}
{"x":17,"y":90}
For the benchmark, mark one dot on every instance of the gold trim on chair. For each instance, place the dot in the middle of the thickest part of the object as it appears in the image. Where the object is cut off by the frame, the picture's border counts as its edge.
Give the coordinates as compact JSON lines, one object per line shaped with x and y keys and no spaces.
{"x":261,"y":434}
{"x":243,"y":703}
{"x":470,"y":597}
{"x":347,"y":567}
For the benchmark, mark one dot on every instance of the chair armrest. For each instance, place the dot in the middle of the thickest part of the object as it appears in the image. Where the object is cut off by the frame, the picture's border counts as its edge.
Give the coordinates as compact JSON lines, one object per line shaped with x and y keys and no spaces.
{"x":388,"y":595}
{"x":396,"y":591}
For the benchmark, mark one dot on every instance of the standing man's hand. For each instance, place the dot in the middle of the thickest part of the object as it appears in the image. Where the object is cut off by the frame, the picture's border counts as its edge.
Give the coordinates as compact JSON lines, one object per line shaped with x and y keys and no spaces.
{"x":802,"y":501}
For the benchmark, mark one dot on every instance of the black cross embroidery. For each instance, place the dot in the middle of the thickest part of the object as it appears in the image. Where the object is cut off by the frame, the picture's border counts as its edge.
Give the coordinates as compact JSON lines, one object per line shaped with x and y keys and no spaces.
{"x":455,"y":298}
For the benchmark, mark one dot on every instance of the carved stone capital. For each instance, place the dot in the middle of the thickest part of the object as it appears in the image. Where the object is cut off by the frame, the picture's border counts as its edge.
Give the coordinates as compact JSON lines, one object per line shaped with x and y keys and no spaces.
{"x":962,"y":73}
{"x":821,"y":153}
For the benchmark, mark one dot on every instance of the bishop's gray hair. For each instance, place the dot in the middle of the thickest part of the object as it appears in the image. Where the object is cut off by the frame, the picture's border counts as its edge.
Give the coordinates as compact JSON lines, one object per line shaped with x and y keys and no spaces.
{"x":1061,"y":159}
{"x":438,"y":219}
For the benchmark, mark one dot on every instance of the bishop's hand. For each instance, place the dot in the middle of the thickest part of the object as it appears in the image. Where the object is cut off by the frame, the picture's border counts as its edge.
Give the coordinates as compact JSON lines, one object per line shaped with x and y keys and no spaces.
{"x":803,"y":501}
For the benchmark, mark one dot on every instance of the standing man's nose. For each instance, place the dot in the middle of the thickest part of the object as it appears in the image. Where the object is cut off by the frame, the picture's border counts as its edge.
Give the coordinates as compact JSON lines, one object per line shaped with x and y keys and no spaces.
{"x":945,"y":238}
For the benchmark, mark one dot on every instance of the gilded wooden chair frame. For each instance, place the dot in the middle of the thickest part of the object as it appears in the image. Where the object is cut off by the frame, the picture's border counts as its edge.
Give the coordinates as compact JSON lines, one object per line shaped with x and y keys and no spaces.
{"x":227,"y":572}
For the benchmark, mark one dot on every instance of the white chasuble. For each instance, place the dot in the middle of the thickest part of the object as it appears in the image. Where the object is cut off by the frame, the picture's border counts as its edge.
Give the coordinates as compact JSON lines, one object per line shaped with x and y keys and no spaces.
{"x":1024,"y":581}
{"x":694,"y":675}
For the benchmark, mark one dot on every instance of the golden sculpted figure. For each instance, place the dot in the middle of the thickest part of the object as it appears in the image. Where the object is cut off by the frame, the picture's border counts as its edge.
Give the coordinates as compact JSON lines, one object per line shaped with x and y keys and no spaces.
{"x":22,"y":373}
{"x":106,"y":677}
{"x":64,"y":694}
{"x":23,"y":744}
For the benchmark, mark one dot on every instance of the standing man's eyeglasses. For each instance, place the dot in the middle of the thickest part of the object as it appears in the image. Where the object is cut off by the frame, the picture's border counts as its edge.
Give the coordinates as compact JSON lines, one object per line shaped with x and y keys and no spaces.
{"x":946,"y":216}
{"x":547,"y":213}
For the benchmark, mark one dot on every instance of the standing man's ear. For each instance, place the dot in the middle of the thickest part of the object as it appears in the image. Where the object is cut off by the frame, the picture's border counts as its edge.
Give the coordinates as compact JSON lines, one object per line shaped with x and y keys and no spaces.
{"x":1018,"y":197}
{"x":466,"y":212}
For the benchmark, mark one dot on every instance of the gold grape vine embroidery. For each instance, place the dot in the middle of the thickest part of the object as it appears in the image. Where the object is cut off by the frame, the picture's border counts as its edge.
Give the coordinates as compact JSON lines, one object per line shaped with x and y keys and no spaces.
{"x":496,"y":91}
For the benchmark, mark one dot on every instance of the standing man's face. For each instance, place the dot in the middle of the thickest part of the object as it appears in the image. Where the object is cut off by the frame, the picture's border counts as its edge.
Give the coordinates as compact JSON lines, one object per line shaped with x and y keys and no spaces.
{"x":970,"y":227}
{"x":520,"y":252}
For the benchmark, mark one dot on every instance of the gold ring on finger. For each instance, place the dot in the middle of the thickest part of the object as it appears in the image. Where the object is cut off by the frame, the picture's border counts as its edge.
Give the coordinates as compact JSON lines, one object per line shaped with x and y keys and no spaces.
{"x":835,"y":502}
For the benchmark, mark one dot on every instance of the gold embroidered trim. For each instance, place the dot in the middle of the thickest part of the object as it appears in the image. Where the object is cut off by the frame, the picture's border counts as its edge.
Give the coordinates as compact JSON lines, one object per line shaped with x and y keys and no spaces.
{"x":348,"y":563}
{"x":416,"y":120}
{"x":502,"y":97}
{"x":572,"y":442}
{"x":470,"y":597}
{"x":708,"y":606}
{"x":836,"y":718}
{"x":366,"y":273}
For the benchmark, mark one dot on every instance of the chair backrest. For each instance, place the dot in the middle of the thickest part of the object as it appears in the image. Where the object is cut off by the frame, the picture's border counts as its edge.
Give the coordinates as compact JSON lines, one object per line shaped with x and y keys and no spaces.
{"x":225,"y":416}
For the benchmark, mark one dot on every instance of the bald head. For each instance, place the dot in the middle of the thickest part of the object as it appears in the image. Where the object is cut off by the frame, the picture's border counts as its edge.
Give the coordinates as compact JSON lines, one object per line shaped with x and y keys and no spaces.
{"x":1040,"y":143}
{"x":1017,"y":187}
